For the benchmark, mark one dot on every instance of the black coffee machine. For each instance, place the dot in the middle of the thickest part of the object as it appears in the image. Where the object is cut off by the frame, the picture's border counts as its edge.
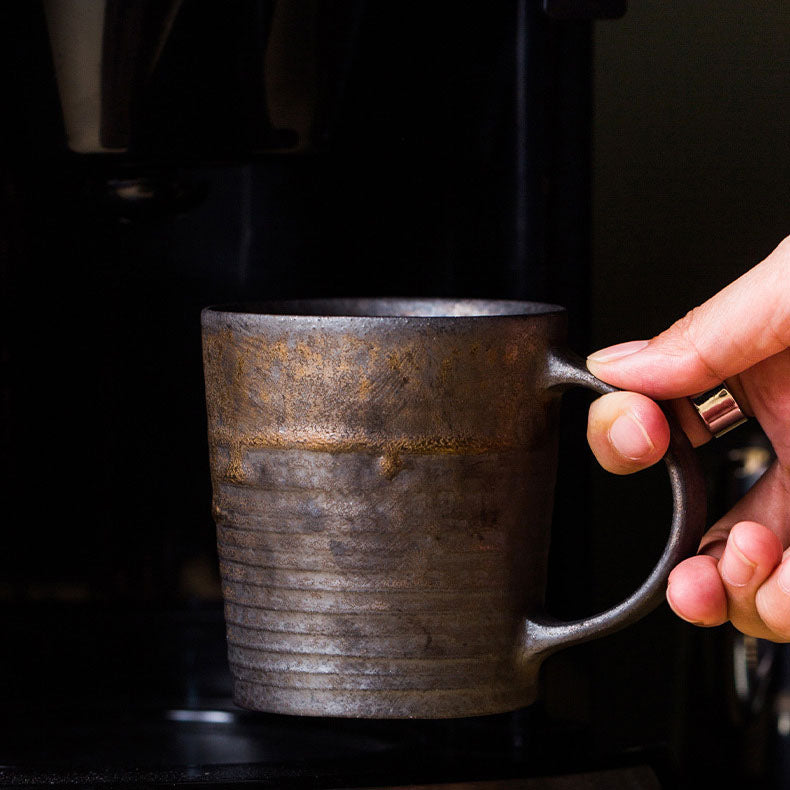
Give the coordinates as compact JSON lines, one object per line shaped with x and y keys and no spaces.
{"x":159,"y":157}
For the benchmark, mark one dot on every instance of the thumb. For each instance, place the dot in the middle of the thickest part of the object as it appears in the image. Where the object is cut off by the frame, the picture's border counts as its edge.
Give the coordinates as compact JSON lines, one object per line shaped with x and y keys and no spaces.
{"x":740,"y":326}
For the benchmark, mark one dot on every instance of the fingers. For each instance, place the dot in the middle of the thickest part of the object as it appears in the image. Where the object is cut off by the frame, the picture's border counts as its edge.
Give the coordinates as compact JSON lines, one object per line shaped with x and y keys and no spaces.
{"x":742,"y":574}
{"x":626,"y":432}
{"x":767,"y":502}
{"x":772,"y":603}
{"x":740,"y":326}
{"x":766,"y":387}
{"x":708,"y":591}
{"x":695,"y":592}
{"x":750,"y":558}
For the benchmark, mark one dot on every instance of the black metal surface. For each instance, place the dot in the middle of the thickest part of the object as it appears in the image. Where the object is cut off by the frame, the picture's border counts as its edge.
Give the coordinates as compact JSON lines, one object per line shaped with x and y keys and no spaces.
{"x":152,"y":708}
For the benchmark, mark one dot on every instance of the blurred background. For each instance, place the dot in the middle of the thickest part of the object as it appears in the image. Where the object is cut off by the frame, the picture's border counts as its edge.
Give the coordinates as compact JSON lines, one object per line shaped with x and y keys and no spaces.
{"x":159,"y":157}
{"x":689,"y":189}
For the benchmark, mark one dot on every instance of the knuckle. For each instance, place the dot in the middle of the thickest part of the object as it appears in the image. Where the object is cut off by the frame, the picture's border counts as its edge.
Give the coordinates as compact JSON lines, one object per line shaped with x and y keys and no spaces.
{"x":687,"y":328}
{"x":685,"y":322}
{"x":678,"y":338}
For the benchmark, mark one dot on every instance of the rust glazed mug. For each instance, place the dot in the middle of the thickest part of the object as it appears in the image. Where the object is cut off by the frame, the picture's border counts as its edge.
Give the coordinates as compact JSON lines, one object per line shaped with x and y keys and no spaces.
{"x":383,"y":474}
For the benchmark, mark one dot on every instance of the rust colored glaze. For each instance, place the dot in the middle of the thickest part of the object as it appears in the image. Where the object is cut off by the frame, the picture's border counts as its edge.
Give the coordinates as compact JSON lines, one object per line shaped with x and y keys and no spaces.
{"x":383,"y":474}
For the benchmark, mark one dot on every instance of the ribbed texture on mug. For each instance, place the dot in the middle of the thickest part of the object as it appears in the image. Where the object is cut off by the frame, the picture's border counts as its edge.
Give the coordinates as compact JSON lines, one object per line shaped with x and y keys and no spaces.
{"x":370,"y":599}
{"x":382,"y":492}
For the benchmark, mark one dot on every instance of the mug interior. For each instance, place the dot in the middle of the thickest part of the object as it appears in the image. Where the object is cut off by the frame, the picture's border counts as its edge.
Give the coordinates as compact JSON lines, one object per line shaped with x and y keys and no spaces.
{"x":392,"y":308}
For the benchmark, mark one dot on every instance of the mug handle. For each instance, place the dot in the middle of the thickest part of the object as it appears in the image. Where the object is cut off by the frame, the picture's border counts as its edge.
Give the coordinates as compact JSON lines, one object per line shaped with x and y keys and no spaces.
{"x":544,"y":634}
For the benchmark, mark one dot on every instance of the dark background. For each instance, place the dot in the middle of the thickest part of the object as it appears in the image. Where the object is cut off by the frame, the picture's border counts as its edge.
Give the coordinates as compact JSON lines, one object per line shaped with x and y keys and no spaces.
{"x":691,"y":164}
{"x":691,"y":187}
{"x":626,"y":170}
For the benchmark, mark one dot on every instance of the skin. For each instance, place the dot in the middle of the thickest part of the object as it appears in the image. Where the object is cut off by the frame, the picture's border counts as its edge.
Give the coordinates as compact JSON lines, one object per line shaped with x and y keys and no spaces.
{"x":740,"y":336}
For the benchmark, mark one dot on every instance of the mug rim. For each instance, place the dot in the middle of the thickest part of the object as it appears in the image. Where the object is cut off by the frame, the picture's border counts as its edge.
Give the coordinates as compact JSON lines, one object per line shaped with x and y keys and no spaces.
{"x":386,"y":308}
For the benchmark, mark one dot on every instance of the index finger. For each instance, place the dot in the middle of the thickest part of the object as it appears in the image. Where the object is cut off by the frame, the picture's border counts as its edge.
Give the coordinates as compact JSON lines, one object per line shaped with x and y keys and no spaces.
{"x":745,"y":323}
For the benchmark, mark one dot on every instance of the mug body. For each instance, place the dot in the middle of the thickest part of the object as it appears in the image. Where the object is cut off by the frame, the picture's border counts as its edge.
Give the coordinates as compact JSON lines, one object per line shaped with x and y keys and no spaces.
{"x":383,"y":474}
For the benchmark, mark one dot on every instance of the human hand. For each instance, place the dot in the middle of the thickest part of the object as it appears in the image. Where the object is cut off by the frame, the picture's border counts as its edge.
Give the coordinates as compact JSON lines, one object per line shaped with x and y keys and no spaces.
{"x":741,"y":336}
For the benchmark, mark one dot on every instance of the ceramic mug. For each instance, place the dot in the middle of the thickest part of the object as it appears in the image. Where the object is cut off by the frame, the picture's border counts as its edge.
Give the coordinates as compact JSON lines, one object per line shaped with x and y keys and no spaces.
{"x":383,"y":474}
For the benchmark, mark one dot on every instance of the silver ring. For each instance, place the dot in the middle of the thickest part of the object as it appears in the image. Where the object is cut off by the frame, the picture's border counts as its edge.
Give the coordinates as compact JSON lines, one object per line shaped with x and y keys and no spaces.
{"x":719,"y":410}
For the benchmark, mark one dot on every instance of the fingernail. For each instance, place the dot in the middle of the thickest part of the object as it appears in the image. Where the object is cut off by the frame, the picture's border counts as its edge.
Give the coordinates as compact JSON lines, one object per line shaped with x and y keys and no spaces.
{"x":784,"y":577}
{"x":629,"y":437}
{"x":735,"y":567}
{"x":620,"y":350}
